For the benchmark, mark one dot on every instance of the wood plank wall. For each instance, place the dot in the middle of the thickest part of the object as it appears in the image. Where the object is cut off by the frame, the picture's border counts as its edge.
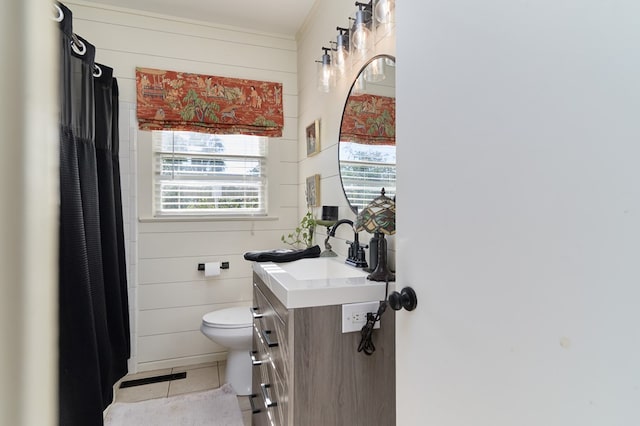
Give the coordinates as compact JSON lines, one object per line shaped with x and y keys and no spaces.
{"x":168,"y":295}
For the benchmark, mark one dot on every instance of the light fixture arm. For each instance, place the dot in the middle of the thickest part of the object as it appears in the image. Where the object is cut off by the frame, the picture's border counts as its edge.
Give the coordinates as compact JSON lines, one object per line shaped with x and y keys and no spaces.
{"x":326,"y":58}
{"x":367,"y":7}
{"x":364,"y":14}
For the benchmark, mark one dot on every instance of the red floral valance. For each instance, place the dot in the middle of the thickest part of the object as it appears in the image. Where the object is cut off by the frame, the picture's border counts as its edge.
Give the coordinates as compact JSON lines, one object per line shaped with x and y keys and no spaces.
{"x":170,"y":100}
{"x":369,"y":119}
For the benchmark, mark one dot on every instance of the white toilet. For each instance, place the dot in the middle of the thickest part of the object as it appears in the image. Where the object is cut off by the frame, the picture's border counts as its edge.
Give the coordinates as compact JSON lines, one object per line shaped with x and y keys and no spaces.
{"x":232,"y":328}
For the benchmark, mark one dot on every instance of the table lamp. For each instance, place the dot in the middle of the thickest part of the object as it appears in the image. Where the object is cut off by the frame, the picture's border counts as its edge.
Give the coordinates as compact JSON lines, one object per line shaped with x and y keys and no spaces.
{"x":379,"y":218}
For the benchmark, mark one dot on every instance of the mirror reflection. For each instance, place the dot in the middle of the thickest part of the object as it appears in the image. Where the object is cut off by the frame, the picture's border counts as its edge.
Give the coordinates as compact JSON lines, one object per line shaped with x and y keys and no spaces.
{"x":367,"y":148}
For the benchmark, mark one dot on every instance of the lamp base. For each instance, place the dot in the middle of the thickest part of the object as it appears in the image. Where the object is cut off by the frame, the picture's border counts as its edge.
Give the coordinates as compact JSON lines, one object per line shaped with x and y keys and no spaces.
{"x":382,"y":272}
{"x":380,"y":275}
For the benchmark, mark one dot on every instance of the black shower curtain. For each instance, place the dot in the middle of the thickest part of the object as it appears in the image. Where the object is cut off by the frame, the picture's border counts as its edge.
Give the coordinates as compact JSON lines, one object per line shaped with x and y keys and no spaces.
{"x":111,"y":223}
{"x":93,"y":307}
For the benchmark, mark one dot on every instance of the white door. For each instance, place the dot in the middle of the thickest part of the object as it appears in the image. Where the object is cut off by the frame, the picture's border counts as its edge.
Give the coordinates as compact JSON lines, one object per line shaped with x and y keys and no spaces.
{"x":519,"y":212}
{"x":28,"y":213}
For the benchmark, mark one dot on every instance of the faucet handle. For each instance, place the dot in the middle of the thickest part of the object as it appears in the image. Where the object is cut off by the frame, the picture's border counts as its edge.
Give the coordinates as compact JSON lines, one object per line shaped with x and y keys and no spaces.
{"x":357,"y":256}
{"x":359,"y":245}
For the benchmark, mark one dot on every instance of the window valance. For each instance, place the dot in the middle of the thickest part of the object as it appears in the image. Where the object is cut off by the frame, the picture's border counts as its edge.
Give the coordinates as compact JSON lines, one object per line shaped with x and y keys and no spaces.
{"x":171,"y":100}
{"x":369,"y":119}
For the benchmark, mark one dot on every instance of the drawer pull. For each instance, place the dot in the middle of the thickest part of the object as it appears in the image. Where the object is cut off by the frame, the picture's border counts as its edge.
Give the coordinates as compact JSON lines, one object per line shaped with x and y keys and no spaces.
{"x":266,"y":335}
{"x":254,"y":361}
{"x":254,"y":409}
{"x":254,"y":313}
{"x":267,"y":401}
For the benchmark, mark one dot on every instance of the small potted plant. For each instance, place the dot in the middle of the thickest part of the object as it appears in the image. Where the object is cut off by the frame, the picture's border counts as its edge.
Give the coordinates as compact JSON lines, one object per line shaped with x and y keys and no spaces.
{"x":302,"y":236}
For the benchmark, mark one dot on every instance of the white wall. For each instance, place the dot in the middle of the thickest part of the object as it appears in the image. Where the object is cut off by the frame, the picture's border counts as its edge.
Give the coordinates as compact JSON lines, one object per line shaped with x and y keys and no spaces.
{"x":168,"y":295}
{"x":519,"y":228}
{"x":128,"y":174}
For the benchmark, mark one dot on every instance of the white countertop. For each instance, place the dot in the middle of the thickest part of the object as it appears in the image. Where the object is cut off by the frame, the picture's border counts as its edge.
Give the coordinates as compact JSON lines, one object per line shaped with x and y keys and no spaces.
{"x":319,"y":282}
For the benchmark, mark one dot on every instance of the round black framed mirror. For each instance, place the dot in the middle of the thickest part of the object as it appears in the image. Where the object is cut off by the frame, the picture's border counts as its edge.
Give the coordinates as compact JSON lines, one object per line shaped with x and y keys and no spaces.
{"x":367,"y":146}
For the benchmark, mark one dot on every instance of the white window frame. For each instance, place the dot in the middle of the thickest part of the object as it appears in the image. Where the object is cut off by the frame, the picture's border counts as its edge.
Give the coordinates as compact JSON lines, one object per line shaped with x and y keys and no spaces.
{"x":209,"y":180}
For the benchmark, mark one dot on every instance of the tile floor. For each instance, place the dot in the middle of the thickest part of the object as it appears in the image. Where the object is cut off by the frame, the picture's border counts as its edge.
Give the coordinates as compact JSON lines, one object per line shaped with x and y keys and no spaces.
{"x":199,"y":378}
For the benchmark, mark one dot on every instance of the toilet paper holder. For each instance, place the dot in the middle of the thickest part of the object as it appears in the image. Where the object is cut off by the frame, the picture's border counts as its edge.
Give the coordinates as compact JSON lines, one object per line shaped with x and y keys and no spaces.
{"x":223,"y":265}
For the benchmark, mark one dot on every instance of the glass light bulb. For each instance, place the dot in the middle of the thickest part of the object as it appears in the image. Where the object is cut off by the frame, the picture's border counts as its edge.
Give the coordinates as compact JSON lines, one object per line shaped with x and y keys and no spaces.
{"x":361,"y":37}
{"x":325,"y":77}
{"x":384,"y":17}
{"x":340,"y":60}
{"x":383,"y":11}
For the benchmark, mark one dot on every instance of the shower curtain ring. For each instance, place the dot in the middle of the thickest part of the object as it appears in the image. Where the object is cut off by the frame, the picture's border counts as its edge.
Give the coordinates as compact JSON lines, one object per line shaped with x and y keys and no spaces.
{"x":97,"y":71}
{"x":60,"y":13}
{"x":77,"y":45}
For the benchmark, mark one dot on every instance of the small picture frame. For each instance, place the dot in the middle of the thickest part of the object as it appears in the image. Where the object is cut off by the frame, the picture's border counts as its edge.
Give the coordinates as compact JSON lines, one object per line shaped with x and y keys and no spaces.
{"x":312,"y":134}
{"x":313,"y":191}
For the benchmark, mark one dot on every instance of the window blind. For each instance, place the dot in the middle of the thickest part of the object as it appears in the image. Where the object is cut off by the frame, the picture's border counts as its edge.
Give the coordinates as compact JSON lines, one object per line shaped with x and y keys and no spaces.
{"x":208,"y":174}
{"x":365,"y":169}
{"x":362,"y":181}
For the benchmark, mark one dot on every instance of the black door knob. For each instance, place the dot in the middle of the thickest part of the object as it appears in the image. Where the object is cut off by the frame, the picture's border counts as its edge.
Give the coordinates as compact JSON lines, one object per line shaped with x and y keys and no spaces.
{"x":405,"y":299}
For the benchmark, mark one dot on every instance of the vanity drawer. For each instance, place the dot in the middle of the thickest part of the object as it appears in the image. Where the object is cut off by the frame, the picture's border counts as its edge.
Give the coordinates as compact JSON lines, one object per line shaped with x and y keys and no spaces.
{"x":276,"y":305}
{"x":271,"y":332}
{"x":271,"y":356}
{"x":273,"y":395}
{"x":259,"y":412}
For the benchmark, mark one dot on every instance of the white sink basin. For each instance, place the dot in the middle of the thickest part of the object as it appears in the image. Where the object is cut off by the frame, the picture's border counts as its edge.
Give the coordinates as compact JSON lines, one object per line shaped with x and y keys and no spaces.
{"x":318,"y":282}
{"x":321,"y":268}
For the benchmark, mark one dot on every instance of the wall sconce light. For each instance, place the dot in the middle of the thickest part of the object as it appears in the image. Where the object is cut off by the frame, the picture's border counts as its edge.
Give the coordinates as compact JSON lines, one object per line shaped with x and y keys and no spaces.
{"x":373,"y":21}
{"x":384,"y":16}
{"x":341,"y":52}
{"x":361,"y":34}
{"x":379,"y":218}
{"x":326,"y":76}
{"x":383,"y":10}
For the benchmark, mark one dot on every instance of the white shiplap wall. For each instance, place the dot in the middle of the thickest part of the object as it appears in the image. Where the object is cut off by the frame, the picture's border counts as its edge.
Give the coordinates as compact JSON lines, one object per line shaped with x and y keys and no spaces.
{"x":168,"y":295}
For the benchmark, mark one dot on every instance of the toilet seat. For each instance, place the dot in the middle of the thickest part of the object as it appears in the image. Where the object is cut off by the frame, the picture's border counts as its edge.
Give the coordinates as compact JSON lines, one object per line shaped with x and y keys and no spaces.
{"x":239,"y":317}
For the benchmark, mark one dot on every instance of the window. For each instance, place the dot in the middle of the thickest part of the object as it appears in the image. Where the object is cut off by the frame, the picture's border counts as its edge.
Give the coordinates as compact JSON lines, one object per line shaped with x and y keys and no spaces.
{"x":207,"y":174}
{"x":365,"y":169}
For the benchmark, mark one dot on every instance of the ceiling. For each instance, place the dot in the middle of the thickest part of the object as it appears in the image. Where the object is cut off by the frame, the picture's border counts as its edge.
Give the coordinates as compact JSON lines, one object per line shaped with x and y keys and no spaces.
{"x":272,"y":16}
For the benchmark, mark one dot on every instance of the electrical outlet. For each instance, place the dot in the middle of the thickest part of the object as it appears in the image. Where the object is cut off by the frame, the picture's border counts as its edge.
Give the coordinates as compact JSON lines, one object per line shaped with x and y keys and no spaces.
{"x":354,"y":315}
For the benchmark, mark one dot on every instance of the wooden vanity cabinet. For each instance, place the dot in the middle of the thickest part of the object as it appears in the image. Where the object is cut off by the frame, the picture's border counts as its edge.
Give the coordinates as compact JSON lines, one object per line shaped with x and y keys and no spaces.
{"x":308,"y":373}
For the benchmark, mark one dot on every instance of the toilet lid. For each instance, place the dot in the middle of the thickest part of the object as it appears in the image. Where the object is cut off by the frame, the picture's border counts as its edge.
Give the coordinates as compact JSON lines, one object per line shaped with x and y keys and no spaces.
{"x":238,"y":317}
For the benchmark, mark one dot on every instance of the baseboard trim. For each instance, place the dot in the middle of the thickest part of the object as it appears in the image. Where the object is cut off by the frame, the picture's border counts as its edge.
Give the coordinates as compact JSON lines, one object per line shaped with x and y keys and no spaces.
{"x":181,"y":362}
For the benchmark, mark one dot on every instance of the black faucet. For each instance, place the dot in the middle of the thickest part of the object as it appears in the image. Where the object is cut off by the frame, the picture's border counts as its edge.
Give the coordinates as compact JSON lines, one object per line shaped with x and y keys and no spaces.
{"x":356,"y":256}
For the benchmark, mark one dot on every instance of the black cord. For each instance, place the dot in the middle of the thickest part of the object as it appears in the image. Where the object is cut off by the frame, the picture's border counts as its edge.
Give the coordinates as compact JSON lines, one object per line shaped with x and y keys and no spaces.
{"x":366,"y":333}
